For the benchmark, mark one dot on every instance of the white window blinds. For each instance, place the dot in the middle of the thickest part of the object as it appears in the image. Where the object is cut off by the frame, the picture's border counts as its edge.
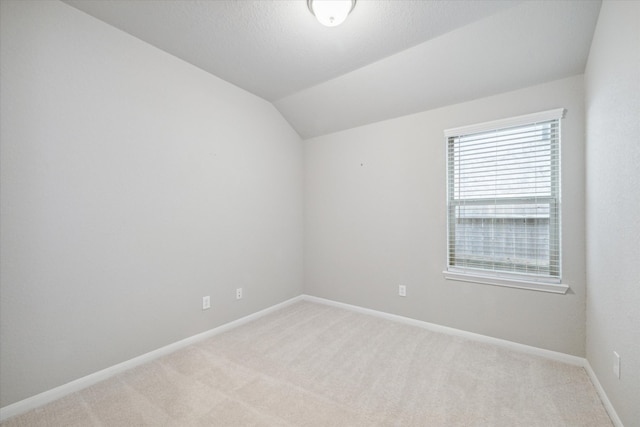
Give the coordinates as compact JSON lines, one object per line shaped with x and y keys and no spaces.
{"x":504,"y":198}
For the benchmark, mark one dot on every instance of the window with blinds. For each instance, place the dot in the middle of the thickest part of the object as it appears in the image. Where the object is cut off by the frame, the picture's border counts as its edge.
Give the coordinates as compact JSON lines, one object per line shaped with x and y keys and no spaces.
{"x":504,"y":198}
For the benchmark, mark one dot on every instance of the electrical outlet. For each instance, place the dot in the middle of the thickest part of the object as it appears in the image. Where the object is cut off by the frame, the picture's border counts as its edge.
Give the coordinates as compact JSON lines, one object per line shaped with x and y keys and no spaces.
{"x":206,"y":302}
{"x":239,"y":293}
{"x":402,"y":290}
{"x":616,"y":364}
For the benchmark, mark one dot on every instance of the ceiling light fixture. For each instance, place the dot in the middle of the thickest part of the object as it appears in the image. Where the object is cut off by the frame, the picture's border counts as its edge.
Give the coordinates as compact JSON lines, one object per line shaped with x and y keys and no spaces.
{"x":331,"y":13}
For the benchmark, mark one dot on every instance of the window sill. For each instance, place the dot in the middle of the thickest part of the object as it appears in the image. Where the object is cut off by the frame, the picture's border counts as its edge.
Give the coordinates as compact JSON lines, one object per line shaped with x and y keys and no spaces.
{"x":556,"y":288}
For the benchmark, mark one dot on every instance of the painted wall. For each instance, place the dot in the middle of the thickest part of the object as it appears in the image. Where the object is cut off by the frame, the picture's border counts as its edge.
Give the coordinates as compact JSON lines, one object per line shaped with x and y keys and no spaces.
{"x":375,"y":218}
{"x":612,"y":82}
{"x":132,"y":185}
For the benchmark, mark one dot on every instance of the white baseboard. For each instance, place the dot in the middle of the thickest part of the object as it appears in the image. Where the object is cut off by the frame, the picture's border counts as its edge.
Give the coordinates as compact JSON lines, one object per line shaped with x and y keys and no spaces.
{"x":523,"y":348}
{"x":615,"y":419}
{"x":91,"y":379}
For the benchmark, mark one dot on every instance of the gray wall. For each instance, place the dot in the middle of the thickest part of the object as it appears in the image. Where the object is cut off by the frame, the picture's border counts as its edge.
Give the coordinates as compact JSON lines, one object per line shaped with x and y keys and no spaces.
{"x":613,"y":202}
{"x":375,"y":218}
{"x":132,"y":185}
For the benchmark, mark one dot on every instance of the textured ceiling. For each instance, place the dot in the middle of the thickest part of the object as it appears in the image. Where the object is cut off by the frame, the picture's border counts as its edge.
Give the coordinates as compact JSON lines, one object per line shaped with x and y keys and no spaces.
{"x":390,"y":58}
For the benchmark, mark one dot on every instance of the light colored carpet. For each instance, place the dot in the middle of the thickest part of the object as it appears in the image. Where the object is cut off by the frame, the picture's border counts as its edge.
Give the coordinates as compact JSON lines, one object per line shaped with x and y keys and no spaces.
{"x":314,"y":365}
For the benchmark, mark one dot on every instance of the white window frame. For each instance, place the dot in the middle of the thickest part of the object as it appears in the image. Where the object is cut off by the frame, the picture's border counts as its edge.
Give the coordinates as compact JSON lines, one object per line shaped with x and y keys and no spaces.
{"x":492,"y":277}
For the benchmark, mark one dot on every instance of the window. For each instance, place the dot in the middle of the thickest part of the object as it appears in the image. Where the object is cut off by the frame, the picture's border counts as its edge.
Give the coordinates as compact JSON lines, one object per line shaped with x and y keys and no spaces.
{"x":503,"y":202}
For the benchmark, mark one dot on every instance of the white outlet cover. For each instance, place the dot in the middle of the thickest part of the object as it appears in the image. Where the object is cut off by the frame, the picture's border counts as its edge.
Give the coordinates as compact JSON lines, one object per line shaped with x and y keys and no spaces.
{"x":206,"y":302}
{"x":616,"y":364}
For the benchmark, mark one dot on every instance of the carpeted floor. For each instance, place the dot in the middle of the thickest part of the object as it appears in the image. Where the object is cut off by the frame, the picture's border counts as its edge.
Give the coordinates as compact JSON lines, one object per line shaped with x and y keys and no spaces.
{"x":314,"y":365}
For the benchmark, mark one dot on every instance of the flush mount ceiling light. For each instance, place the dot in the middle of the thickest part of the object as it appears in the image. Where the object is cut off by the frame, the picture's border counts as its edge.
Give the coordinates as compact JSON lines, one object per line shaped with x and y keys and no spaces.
{"x":331,"y":13}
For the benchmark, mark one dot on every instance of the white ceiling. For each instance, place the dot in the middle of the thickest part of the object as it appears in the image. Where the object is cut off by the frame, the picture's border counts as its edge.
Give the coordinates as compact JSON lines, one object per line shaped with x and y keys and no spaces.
{"x":390,"y":58}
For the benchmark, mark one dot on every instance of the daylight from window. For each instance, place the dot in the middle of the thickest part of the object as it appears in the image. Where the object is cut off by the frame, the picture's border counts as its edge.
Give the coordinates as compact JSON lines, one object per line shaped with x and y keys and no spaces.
{"x":503,"y":200}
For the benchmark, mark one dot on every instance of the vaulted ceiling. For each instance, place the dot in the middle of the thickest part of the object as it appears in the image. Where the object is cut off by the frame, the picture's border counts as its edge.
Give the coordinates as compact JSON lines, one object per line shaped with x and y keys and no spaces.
{"x":390,"y":58}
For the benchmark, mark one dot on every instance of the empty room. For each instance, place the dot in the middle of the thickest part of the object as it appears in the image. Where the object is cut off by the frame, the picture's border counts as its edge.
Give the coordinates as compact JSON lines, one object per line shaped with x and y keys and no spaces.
{"x":319,"y":213}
